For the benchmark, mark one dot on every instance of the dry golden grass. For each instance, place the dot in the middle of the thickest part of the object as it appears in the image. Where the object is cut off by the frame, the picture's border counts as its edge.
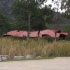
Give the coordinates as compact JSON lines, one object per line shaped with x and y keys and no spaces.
{"x":39,"y":47}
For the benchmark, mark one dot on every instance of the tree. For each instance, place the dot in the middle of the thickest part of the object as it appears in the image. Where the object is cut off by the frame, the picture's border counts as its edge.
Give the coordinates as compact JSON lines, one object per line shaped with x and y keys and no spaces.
{"x":63,"y":5}
{"x":57,"y":17}
{"x":47,"y":13}
{"x":25,"y":11}
{"x":4,"y":25}
{"x":66,"y":5}
{"x":67,"y":29}
{"x":43,"y":17}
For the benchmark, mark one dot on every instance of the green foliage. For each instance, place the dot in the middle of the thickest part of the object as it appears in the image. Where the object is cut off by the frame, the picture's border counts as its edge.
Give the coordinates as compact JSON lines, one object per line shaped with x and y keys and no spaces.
{"x":4,"y":25}
{"x":47,"y":13}
{"x":48,"y":38}
{"x":23,"y":9}
{"x":67,"y":29}
{"x":20,"y":9}
{"x":21,"y":25}
{"x":42,"y":16}
{"x":66,"y":5}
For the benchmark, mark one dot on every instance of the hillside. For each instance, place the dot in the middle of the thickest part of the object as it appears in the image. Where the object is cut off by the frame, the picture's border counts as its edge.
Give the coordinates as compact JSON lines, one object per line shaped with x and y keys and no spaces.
{"x":5,"y":7}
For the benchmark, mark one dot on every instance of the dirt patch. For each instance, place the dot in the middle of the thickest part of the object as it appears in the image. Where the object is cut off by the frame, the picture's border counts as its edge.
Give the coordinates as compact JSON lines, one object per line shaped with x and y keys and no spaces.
{"x":59,"y":63}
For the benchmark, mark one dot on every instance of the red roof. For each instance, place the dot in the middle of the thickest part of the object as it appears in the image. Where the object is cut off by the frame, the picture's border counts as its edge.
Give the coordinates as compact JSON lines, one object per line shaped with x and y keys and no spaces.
{"x":64,"y":33}
{"x":22,"y":33}
{"x":12,"y":33}
{"x":48,"y":32}
{"x":34,"y":34}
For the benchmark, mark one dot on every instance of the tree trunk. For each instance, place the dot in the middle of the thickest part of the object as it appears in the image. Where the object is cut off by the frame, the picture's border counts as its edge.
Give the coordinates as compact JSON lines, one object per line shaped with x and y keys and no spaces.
{"x":55,"y":36}
{"x":38,"y":33}
{"x":29,"y":15}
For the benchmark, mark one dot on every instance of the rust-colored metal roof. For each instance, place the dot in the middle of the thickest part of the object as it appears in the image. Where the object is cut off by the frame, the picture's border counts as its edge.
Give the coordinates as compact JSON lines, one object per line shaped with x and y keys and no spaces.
{"x":12,"y":33}
{"x":22,"y":33}
{"x":48,"y":32}
{"x":64,"y":33}
{"x":35,"y":34}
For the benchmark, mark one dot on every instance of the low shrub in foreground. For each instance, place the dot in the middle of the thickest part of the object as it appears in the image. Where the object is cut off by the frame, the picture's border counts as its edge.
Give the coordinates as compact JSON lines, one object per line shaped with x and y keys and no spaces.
{"x":38,"y":47}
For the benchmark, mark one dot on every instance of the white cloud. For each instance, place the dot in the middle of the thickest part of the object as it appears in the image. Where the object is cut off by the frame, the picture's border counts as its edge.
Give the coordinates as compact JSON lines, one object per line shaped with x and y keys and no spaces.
{"x":54,"y":5}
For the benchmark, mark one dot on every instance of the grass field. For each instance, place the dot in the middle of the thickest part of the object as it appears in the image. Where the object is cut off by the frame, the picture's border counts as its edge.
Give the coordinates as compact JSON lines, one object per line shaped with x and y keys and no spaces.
{"x":39,"y":47}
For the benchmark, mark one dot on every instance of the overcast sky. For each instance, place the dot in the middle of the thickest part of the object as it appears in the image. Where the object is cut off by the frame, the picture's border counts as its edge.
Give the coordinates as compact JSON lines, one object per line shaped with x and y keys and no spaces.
{"x":54,"y":5}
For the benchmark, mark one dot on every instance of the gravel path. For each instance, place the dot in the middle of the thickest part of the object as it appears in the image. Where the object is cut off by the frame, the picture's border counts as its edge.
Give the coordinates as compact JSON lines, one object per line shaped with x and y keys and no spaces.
{"x":59,"y":63}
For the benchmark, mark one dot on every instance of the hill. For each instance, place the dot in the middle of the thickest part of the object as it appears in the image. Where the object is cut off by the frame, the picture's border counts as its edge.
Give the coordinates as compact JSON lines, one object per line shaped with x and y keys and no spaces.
{"x":5,"y":7}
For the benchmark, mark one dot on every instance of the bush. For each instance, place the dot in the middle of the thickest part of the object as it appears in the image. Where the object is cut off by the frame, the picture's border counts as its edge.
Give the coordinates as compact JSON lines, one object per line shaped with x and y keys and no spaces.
{"x":48,"y":38}
{"x":67,"y":29}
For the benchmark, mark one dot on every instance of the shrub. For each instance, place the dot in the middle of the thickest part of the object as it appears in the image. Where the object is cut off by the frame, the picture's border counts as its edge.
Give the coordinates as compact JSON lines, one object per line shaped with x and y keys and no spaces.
{"x":48,"y":38}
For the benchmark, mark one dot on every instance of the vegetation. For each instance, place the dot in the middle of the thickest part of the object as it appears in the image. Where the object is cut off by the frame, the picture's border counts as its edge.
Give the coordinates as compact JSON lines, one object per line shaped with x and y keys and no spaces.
{"x":29,"y":14}
{"x":66,"y":5}
{"x":4,"y":24}
{"x":67,"y":29}
{"x":38,"y":47}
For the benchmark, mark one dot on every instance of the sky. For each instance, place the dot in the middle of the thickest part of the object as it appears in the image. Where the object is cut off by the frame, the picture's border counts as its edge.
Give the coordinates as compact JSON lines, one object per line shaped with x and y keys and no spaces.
{"x":54,"y":5}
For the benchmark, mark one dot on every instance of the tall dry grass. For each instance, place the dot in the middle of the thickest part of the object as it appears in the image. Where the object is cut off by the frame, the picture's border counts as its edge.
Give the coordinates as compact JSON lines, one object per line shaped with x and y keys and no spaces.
{"x":39,"y":47}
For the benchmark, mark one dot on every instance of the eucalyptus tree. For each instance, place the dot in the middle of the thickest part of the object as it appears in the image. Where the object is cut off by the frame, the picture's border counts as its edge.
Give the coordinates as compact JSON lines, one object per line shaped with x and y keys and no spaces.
{"x":43,"y":17}
{"x":63,"y":5}
{"x":57,"y":17}
{"x":24,"y":10}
